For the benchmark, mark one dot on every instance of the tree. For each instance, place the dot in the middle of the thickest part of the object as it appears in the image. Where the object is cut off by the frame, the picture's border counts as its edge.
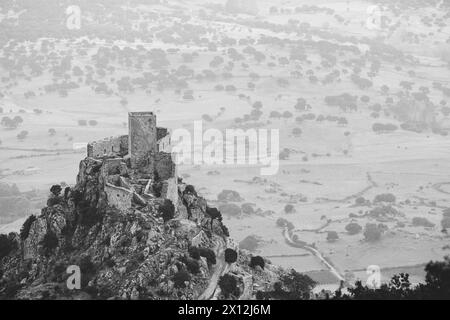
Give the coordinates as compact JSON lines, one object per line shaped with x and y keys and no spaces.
{"x":6,"y":245}
{"x":56,"y":189}
{"x":230,"y":255}
{"x":194,"y":253}
{"x":22,"y":135}
{"x":180,"y":278}
{"x":49,"y":242}
{"x":385,"y":197}
{"x":332,"y":236}
{"x":167,"y":210}
{"x":229,"y":286}
{"x":300,"y":105}
{"x":353,"y":228}
{"x":289,"y":208}
{"x":445,"y":223}
{"x":25,"y":230}
{"x":190,"y":189}
{"x":372,"y":232}
{"x":257,"y":261}
{"x":192,"y":266}
{"x":422,"y":222}
{"x":436,"y":286}
{"x":292,"y":286}
{"x":209,"y":255}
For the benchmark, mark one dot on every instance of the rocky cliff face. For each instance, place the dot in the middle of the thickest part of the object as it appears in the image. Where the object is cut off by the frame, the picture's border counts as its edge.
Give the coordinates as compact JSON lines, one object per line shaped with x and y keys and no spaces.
{"x":144,"y":252}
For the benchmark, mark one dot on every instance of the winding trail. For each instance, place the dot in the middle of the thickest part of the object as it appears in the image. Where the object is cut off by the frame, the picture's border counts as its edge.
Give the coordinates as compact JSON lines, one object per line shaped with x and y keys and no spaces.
{"x":220,"y":269}
{"x":315,"y":252}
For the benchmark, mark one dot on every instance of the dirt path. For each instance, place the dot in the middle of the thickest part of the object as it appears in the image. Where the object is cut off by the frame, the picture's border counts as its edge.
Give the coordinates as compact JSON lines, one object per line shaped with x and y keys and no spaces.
{"x":220,"y":269}
{"x":316,"y":253}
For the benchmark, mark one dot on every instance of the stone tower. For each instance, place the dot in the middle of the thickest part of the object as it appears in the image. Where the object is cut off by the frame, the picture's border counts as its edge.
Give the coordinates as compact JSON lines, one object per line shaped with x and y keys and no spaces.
{"x":142,"y":144}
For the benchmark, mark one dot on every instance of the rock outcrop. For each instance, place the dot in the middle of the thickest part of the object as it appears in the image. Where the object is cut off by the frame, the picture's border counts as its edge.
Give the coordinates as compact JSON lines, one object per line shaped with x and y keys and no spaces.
{"x":137,"y":253}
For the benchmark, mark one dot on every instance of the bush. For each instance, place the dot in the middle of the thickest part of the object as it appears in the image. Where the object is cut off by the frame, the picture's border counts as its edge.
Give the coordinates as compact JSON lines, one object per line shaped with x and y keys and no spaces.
{"x":194,"y":253}
{"x":247,"y":208}
{"x":372,"y":232}
{"x":385,"y":197}
{"x":167,"y":210}
{"x":25,"y":230}
{"x":229,"y":286}
{"x":208,"y":254}
{"x":50,"y":242}
{"x":230,"y":255}
{"x":422,"y":222}
{"x":230,"y":209}
{"x":190,"y":190}
{"x":446,"y":213}
{"x":353,"y":228}
{"x":445,"y":223}
{"x":214,"y":213}
{"x":87,"y":216}
{"x":360,"y":201}
{"x":56,"y":189}
{"x":180,"y":278}
{"x":229,"y":195}
{"x":6,"y":245}
{"x":192,"y":266}
{"x":257,"y":261}
{"x":332,"y":236}
{"x":289,"y":208}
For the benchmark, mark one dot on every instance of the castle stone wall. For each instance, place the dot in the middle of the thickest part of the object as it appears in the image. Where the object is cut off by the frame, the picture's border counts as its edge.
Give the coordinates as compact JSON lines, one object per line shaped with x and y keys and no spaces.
{"x":118,"y":197}
{"x":142,"y":138}
{"x":108,"y":147}
{"x":165,"y":168}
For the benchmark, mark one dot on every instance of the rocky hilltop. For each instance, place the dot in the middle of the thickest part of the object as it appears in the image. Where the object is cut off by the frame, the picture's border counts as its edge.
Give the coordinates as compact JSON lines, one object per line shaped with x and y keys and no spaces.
{"x":132,"y":237}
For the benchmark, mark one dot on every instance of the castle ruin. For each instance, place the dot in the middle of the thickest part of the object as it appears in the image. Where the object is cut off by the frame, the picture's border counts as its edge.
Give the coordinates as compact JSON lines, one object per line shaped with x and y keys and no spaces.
{"x":137,"y":167}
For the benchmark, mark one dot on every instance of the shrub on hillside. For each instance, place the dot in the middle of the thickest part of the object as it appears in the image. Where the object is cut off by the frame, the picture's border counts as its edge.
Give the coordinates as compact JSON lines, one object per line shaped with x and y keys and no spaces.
{"x":194,"y":253}
{"x":257,"y":261}
{"x":167,"y":210}
{"x":192,"y":266}
{"x":229,"y":286}
{"x":208,"y":254}
{"x":25,"y":230}
{"x":50,"y":242}
{"x":230,"y":255}
{"x":180,"y":279}
{"x":6,"y":245}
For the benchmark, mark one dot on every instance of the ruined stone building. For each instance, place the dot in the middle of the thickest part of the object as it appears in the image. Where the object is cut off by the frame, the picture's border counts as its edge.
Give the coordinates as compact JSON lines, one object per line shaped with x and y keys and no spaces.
{"x":137,"y":167}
